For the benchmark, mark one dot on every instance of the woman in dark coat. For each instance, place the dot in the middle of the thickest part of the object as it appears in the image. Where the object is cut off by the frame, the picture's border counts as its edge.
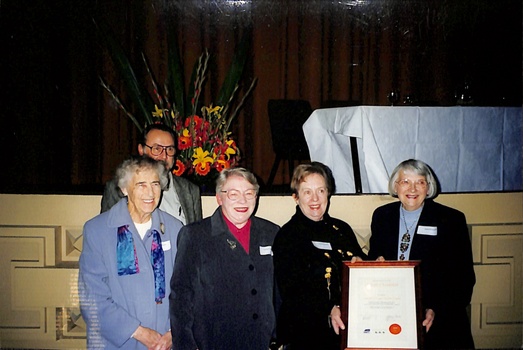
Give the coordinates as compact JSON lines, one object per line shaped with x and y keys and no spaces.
{"x":417,"y":228}
{"x":223,"y":281}
{"x":308,"y":254}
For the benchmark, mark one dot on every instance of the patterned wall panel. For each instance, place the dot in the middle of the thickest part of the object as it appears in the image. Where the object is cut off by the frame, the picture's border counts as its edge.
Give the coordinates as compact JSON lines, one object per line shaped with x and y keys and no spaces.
{"x":38,"y":283}
{"x":496,"y":310}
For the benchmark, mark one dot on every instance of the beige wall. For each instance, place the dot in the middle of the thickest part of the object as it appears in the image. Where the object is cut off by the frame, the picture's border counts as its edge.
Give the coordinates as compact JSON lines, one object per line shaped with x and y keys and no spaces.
{"x":40,"y":242}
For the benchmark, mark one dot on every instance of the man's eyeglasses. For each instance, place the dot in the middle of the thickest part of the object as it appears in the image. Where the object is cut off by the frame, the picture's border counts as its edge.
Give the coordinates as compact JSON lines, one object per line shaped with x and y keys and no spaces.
{"x":156,"y":150}
{"x":406,"y":183}
{"x":235,"y":195}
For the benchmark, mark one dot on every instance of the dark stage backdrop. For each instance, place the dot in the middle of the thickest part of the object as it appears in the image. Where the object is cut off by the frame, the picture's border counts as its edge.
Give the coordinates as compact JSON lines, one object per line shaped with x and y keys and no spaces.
{"x":64,"y":134}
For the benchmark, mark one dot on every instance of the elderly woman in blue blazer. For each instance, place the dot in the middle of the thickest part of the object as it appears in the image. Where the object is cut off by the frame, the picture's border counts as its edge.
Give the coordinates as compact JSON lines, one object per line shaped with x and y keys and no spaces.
{"x":222,"y":286}
{"x":417,"y":228}
{"x":128,"y":252}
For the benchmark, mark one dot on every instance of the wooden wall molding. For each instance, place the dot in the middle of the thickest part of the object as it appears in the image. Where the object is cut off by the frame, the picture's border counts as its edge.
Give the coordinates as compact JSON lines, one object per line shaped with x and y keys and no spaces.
{"x":496,"y":309}
{"x":41,"y":242}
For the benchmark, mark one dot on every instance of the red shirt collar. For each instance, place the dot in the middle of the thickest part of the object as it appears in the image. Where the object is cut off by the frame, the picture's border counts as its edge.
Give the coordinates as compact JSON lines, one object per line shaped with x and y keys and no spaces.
{"x":243,"y":234}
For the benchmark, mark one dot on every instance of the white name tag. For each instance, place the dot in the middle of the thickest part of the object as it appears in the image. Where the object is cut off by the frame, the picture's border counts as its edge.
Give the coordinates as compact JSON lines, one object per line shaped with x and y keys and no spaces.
{"x":166,"y":245}
{"x":266,"y":250}
{"x":428,"y":230}
{"x":322,"y":245}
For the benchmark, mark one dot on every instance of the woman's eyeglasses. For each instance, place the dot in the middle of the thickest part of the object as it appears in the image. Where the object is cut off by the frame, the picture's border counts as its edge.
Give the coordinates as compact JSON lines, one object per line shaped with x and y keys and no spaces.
{"x":235,"y":195}
{"x":406,"y":183}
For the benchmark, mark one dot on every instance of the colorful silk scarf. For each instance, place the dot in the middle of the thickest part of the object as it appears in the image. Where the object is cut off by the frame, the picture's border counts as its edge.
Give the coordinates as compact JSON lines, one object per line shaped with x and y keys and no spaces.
{"x":158,"y":263}
{"x":126,"y":252}
{"x":127,"y":259}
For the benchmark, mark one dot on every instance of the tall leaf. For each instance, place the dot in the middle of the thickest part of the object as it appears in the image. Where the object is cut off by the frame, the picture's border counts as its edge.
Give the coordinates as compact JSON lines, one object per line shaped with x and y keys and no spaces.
{"x":198,"y":76}
{"x":175,"y":77}
{"x":136,"y":92}
{"x":235,"y":71}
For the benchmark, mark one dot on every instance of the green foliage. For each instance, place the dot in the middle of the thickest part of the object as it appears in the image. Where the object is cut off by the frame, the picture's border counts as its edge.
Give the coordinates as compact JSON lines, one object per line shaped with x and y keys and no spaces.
{"x":175,"y":98}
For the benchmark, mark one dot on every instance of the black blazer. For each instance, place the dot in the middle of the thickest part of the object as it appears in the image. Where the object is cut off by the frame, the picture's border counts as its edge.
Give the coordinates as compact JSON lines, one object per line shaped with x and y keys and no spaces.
{"x":447,"y":270}
{"x":303,"y":249}
{"x":222,"y":297}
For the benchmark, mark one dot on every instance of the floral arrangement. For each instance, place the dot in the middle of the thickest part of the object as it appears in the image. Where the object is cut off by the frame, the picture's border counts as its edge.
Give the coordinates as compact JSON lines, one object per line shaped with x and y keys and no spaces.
{"x":205,"y":144}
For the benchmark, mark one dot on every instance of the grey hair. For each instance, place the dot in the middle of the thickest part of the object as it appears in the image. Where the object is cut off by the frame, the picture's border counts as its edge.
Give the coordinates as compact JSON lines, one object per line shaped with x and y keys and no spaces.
{"x":135,"y":164}
{"x":417,"y":167}
{"x":241,"y":172}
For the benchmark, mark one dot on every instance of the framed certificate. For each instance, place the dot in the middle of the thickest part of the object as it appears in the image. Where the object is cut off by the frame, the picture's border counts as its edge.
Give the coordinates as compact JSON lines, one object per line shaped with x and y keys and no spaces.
{"x":381,"y":305}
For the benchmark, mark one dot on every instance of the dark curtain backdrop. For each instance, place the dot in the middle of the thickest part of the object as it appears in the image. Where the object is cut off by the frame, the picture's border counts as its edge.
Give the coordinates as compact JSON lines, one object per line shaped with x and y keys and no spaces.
{"x":64,"y":133}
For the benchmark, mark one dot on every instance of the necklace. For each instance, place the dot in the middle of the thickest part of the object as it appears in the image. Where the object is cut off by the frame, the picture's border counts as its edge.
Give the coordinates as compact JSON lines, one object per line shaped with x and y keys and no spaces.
{"x":405,"y":221}
{"x":405,"y":239}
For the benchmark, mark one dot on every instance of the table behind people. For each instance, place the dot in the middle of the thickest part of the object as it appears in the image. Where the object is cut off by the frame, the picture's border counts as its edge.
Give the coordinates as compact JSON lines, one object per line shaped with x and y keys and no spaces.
{"x":474,"y":149}
{"x":418,"y":228}
{"x":181,"y":198}
{"x":223,"y":283}
{"x":128,"y":252}
{"x":308,"y":254}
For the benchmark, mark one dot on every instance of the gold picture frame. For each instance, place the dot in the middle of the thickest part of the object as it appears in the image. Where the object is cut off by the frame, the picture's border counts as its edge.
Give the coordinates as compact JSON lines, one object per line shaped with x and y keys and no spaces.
{"x":381,"y":305}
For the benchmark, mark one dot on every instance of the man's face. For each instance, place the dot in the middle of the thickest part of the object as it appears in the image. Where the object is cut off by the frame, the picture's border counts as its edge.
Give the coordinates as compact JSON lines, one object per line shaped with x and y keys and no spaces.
{"x":161,"y":138}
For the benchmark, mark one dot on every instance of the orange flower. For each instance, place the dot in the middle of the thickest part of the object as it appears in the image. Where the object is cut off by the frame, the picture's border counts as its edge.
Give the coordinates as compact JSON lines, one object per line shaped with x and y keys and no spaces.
{"x":221,"y":164}
{"x":179,"y":168}
{"x":202,"y":168}
{"x":184,"y":140}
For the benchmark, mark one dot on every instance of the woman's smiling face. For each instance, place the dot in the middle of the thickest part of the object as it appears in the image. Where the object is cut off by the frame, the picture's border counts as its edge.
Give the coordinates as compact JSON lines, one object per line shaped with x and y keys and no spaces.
{"x":238,"y":211}
{"x":143,"y":194}
{"x":411,"y":189}
{"x":313,"y":197}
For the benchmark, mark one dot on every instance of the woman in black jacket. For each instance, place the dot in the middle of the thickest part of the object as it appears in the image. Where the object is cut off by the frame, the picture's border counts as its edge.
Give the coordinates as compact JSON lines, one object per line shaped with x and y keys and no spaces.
{"x":308,"y":253}
{"x":417,"y":228}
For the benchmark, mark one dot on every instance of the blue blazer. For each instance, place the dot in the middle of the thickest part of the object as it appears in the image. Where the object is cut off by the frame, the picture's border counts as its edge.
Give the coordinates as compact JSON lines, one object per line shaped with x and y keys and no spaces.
{"x":447,"y":270}
{"x":114,"y":306}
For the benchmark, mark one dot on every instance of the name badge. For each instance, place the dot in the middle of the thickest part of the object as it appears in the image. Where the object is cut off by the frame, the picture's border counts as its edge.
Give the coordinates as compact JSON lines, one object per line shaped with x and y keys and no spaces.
{"x":166,"y":245}
{"x":428,"y":230}
{"x":322,"y":245}
{"x":266,"y":250}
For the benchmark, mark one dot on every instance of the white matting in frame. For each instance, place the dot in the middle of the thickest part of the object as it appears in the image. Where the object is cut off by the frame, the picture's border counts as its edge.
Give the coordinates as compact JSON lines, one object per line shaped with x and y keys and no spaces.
{"x":381,"y":306}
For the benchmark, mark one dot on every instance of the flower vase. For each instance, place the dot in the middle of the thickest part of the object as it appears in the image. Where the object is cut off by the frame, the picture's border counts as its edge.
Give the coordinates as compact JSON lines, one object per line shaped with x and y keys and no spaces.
{"x":206,"y":183}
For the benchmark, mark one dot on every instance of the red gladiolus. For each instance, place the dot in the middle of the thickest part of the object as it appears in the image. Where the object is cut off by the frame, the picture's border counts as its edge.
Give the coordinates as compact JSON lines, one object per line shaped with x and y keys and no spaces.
{"x":195,"y":120}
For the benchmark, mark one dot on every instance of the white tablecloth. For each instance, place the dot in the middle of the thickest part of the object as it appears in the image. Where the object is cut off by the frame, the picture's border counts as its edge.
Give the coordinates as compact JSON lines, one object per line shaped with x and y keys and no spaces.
{"x":470,"y":149}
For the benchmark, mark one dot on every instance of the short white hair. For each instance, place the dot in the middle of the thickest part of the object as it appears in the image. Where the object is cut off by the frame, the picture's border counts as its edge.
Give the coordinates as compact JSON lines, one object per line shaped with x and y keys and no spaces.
{"x":417,"y":167}
{"x":135,"y":164}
